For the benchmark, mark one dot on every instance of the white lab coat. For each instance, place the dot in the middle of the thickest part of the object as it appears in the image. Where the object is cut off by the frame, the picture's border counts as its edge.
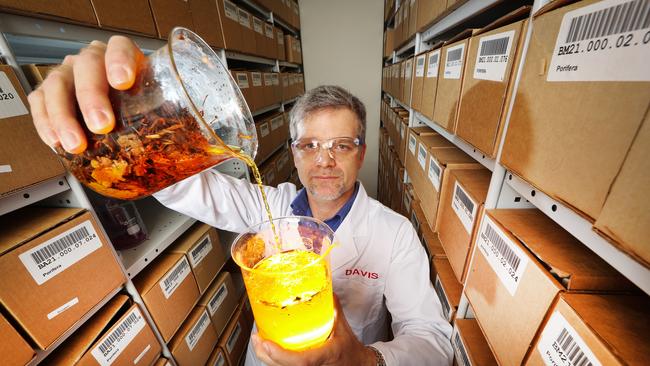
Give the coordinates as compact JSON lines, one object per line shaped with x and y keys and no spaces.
{"x":378,"y":267}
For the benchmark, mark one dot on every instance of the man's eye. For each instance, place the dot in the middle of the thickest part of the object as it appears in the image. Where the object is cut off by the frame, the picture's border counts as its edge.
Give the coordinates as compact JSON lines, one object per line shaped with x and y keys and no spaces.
{"x":309,"y":146}
{"x":343,"y":147}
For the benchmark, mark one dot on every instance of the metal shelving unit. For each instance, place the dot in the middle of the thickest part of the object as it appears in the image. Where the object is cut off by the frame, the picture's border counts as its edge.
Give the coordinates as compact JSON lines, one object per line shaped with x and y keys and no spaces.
{"x":32,"y":194}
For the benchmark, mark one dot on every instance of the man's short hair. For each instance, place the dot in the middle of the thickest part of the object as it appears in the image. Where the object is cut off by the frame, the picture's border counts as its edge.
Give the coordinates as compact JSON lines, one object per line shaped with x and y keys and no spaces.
{"x":326,"y":97}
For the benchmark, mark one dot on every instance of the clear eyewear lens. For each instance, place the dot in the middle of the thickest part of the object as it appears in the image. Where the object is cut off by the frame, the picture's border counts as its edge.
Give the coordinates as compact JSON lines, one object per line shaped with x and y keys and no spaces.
{"x":341,"y":147}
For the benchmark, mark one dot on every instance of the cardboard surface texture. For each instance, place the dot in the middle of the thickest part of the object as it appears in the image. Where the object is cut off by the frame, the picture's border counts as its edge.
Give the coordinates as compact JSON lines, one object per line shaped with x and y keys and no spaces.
{"x":75,"y":11}
{"x":217,"y":358}
{"x":221,"y":301}
{"x":561,"y":137}
{"x":446,"y":286}
{"x":195,"y":340}
{"x":113,"y":14}
{"x":48,"y":291}
{"x":234,"y":339}
{"x":452,"y":63}
{"x":13,"y":348}
{"x":229,"y":19}
{"x":168,"y":14}
{"x":430,"y":82}
{"x":509,"y":288}
{"x":24,"y":158}
{"x":470,"y":344}
{"x":205,"y":15}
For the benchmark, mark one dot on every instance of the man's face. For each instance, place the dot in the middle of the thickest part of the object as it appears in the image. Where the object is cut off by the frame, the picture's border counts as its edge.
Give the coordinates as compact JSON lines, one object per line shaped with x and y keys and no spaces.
{"x":324,"y":177}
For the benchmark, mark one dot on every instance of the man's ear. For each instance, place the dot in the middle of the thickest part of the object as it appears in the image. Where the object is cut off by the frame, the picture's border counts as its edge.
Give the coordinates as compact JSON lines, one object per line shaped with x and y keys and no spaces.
{"x":362,"y":154}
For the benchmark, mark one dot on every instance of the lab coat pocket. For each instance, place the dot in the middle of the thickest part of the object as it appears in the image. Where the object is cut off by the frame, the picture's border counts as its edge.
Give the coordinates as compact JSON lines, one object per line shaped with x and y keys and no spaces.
{"x":362,"y":300}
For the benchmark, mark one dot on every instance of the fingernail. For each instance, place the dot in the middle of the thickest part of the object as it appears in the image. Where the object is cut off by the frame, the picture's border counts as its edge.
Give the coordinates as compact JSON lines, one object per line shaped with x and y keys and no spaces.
{"x":98,"y":121}
{"x":52,"y":138}
{"x":119,"y":75}
{"x":70,"y":141}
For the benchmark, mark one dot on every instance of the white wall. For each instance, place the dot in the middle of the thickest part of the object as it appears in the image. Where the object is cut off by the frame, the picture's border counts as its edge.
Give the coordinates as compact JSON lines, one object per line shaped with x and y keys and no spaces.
{"x":342,"y":44}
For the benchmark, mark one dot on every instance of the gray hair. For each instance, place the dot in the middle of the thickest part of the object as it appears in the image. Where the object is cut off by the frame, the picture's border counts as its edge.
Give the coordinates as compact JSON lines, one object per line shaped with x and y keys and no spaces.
{"x":325,"y":97}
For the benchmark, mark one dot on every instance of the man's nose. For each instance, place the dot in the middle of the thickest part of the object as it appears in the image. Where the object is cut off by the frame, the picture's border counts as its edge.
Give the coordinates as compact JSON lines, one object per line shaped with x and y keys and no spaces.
{"x":325,"y":158}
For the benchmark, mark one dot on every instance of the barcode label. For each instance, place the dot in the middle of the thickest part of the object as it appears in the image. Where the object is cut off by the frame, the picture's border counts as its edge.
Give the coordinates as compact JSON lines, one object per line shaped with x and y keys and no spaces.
{"x":276,"y":123}
{"x":220,"y":361}
{"x":560,"y":344}
{"x":461,"y":354}
{"x":464,"y":207}
{"x":605,"y":41}
{"x":257,"y":79}
{"x":215,"y":302}
{"x":54,"y":256}
{"x":422,"y":156}
{"x":507,"y":260}
{"x":244,"y":18}
{"x":230,"y":10}
{"x":434,"y":173}
{"x":276,"y":80}
{"x":409,"y":69}
{"x":232,"y":340}
{"x":442,"y":296}
{"x":268,"y":79}
{"x":119,"y":338}
{"x":268,"y":30}
{"x":264,"y":129}
{"x":419,"y":66}
{"x":258,"y":26}
{"x":493,"y":56}
{"x":174,"y":277}
{"x":242,"y":80}
{"x":10,"y":103}
{"x":200,"y":251}
{"x":454,"y":62}
{"x":412,"y":143}
{"x":193,"y":337}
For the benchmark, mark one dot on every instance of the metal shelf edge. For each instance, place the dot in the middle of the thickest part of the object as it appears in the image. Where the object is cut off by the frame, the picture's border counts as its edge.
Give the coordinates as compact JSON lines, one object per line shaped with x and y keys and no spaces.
{"x":289,"y":64}
{"x":32,"y":194}
{"x":260,"y":11}
{"x":248,"y":58}
{"x":582,"y":230}
{"x":285,"y":26}
{"x":266,"y":109}
{"x":463,"y":12}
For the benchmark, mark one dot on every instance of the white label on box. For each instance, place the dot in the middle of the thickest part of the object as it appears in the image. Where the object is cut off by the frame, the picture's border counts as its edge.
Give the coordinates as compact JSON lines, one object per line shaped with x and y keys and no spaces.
{"x":200,"y":251}
{"x":174,"y":277}
{"x":257,"y":79}
{"x":264,"y":129}
{"x":454,"y":62}
{"x":268,"y":30}
{"x":244,"y":18}
{"x":434,"y":173}
{"x":464,"y":207}
{"x":560,"y":345}
{"x":119,"y":338}
{"x":258,"y":26}
{"x":10,"y":103}
{"x":232,"y":340}
{"x":493,"y":56}
{"x":5,"y":169}
{"x":242,"y":80}
{"x":409,"y":69}
{"x":231,"y":10}
{"x":220,"y":361}
{"x":412,"y":143}
{"x":57,"y":254}
{"x":276,"y":123}
{"x":142,"y":354}
{"x":422,"y":156}
{"x":507,"y":260}
{"x":434,"y":62}
{"x":215,"y":302}
{"x":459,"y":350}
{"x":193,"y":337}
{"x":54,"y":313}
{"x":419,"y":66}
{"x":268,"y":80}
{"x":280,"y":38}
{"x":605,"y":41}
{"x":276,"y":79}
{"x":442,"y":296}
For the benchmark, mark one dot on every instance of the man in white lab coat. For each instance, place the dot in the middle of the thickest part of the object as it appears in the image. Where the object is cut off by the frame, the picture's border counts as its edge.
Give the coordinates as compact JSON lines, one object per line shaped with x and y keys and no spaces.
{"x":380,"y":270}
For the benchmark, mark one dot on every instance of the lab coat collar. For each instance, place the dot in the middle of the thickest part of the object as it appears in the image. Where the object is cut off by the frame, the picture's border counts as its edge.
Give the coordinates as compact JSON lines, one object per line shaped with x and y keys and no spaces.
{"x":352,"y":235}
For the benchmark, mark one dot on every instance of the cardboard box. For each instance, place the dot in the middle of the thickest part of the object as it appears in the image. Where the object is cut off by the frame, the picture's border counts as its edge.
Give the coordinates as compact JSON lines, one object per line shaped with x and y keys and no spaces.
{"x":234,"y":339}
{"x":597,"y":329}
{"x":413,"y":17}
{"x":257,"y":90}
{"x":509,"y":288}
{"x":221,"y":301}
{"x":625,"y":215}
{"x":561,"y":137}
{"x":418,"y":80}
{"x":242,"y":78}
{"x":461,"y":206}
{"x":267,"y":171}
{"x":195,"y":340}
{"x":117,"y":334}
{"x":162,"y":362}
{"x":428,"y":11}
{"x":260,"y":37}
{"x":24,"y":158}
{"x":492,"y":60}
{"x":284,"y":165}
{"x":200,"y":244}
{"x":169,"y":291}
{"x":402,"y":132}
{"x":470,"y":346}
{"x":35,"y":73}
{"x":427,"y":236}
{"x":279,"y":37}
{"x":278,"y":130}
{"x":454,"y":54}
{"x":408,"y":81}
{"x":447,"y":287}
{"x":49,"y":292}
{"x":264,"y":148}
{"x":430,"y":83}
{"x":229,"y":19}
{"x":75,"y":11}
{"x":168,"y":14}
{"x":205,"y":15}
{"x":248,"y":35}
{"x":14,"y":349}
{"x":217,"y":358}
{"x":271,"y":43}
{"x":134,"y":16}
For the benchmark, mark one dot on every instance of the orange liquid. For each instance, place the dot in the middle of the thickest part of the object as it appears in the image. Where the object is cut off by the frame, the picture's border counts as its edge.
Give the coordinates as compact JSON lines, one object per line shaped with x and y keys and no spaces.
{"x":291,"y":297}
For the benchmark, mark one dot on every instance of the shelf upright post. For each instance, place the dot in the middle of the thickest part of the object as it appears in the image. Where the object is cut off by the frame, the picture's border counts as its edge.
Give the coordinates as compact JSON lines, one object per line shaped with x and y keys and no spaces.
{"x":8,"y":55}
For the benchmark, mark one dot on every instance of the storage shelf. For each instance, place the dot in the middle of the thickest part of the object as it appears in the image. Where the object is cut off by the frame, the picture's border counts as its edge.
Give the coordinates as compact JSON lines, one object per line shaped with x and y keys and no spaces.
{"x":41,"y":355}
{"x":402,"y":51}
{"x":583,"y":231}
{"x":259,"y":10}
{"x":463,"y":13}
{"x":285,"y":27}
{"x":164,"y":226}
{"x":32,"y":194}
{"x":266,"y":109}
{"x":285,"y":102}
{"x":289,"y":64}
{"x":248,"y":58}
{"x":467,"y":148}
{"x":233,"y":167}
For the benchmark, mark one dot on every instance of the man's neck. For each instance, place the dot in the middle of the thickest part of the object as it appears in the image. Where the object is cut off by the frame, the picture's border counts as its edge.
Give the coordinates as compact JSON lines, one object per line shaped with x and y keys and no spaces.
{"x":326,"y":209}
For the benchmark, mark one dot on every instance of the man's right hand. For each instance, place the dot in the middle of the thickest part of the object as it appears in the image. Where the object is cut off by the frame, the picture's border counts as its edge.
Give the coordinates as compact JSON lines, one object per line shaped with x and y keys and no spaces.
{"x":84,"y":79}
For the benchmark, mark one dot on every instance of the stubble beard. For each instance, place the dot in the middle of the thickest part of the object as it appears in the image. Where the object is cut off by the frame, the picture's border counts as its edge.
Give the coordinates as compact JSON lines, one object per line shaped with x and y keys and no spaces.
{"x":339,"y":190}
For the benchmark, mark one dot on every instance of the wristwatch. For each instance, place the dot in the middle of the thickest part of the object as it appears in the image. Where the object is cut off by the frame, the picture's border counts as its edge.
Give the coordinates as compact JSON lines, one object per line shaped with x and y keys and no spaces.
{"x":378,"y":356}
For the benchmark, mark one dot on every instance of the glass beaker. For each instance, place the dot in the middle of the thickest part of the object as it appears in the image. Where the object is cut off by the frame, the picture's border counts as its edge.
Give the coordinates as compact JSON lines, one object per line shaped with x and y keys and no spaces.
{"x":184,"y":114}
{"x":288,"y":279}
